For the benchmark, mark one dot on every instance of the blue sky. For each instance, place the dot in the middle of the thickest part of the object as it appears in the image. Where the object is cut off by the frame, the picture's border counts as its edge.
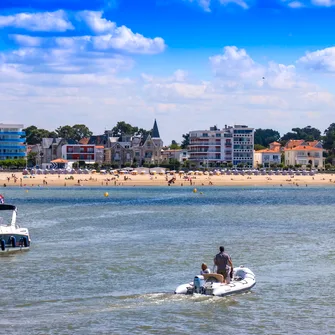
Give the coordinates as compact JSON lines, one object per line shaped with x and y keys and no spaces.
{"x":188,"y":63}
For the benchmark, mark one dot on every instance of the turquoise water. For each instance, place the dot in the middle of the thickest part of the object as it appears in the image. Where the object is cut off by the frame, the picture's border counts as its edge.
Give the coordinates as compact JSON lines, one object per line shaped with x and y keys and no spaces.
{"x":110,"y":265}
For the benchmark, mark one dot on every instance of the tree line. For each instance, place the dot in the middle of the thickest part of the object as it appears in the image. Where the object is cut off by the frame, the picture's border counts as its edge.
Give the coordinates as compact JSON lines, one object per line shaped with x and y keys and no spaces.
{"x":76,"y":132}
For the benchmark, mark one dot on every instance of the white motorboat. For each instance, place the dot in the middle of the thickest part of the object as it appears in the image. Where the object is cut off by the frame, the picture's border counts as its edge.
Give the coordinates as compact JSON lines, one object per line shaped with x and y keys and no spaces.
{"x":213,"y":284}
{"x":12,"y":236}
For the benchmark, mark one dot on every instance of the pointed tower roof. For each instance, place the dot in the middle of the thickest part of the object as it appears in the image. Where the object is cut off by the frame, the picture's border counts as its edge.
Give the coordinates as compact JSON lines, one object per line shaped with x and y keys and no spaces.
{"x":155,"y":132}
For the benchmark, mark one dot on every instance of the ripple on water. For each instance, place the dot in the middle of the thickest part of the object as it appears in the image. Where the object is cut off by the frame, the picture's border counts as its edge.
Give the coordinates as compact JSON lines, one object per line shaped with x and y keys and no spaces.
{"x":110,"y":265}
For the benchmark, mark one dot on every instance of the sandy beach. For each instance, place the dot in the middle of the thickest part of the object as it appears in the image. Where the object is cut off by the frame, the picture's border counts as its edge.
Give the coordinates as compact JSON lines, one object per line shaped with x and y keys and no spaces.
{"x":103,"y":180}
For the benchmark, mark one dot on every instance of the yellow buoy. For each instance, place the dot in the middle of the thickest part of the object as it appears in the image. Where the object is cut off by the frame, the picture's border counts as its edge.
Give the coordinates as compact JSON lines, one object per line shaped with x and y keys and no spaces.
{"x":106,"y":194}
{"x":195,"y":190}
{"x":27,"y":191}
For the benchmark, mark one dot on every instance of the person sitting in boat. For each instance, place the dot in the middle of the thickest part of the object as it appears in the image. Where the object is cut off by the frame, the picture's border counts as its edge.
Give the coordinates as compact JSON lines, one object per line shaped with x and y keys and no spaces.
{"x":224,"y":264}
{"x":204,"y":269}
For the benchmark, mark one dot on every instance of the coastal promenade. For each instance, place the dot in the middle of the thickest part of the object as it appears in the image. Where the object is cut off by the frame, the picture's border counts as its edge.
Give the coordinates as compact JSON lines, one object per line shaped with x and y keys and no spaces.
{"x":102,"y":180}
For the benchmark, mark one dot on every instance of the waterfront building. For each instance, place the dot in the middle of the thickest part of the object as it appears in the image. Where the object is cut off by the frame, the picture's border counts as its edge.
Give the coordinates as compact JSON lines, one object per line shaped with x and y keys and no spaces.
{"x":12,"y":141}
{"x":181,"y":155}
{"x":300,"y":152}
{"x":268,"y":157}
{"x":215,"y":147}
{"x":79,"y":152}
{"x":119,"y":151}
{"x":129,"y":149}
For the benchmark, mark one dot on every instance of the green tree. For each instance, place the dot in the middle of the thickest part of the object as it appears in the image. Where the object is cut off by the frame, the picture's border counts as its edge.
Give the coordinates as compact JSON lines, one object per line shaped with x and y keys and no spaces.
{"x":31,"y":158}
{"x":66,"y":132}
{"x":34,"y":135}
{"x":307,"y":133}
{"x":123,"y":128}
{"x":80,"y":131}
{"x":142,"y":132}
{"x":329,"y":138}
{"x":174,"y":145}
{"x":186,"y":141}
{"x":266,"y":136}
{"x":29,"y":130}
{"x":258,"y":147}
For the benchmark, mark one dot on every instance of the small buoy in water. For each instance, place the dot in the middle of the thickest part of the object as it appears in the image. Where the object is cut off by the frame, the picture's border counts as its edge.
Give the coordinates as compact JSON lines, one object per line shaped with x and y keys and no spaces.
{"x":106,"y":194}
{"x":27,"y":191}
{"x":195,"y":190}
{"x":201,"y":193}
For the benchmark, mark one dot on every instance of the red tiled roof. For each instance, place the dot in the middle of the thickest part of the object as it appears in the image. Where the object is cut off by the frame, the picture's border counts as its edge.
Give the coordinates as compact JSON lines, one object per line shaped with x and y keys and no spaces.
{"x":84,"y":140}
{"x":312,"y":143}
{"x":293,"y":143}
{"x":59,"y":160}
{"x":304,"y":148}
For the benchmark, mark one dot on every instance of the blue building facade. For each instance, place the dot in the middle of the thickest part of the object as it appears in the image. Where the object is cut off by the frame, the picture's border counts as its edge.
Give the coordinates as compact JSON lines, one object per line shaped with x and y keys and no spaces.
{"x":12,"y":141}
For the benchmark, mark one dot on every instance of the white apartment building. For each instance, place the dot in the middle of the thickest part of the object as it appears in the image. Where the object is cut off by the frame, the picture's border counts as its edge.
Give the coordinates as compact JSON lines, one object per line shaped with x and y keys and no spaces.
{"x":213,"y":147}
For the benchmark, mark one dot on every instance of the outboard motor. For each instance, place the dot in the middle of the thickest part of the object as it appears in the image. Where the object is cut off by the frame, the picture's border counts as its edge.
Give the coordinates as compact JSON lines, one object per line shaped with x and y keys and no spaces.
{"x":199,"y":283}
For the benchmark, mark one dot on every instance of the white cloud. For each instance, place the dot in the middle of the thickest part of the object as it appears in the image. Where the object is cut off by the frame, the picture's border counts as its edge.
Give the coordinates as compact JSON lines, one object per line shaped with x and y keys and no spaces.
{"x":95,"y":21}
{"x":124,"y":39}
{"x":296,"y":4}
{"x":73,"y":61}
{"x":235,"y":64}
{"x":26,"y":41}
{"x":240,"y":3}
{"x":206,"y":4}
{"x":46,"y":21}
{"x":238,"y":70}
{"x":320,"y":60}
{"x":79,"y":84}
{"x":324,"y":3}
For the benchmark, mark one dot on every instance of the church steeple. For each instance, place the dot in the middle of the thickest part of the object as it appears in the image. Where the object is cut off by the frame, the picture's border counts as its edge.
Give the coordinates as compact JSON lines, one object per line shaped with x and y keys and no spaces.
{"x":155,"y":132}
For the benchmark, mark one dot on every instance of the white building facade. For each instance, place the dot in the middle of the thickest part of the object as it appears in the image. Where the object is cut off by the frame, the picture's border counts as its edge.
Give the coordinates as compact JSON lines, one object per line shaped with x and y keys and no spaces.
{"x":268,"y":157}
{"x":300,"y":152}
{"x":213,"y":147}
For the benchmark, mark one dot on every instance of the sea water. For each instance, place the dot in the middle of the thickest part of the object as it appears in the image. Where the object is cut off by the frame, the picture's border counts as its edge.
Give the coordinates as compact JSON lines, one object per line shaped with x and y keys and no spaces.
{"x":109,"y":265}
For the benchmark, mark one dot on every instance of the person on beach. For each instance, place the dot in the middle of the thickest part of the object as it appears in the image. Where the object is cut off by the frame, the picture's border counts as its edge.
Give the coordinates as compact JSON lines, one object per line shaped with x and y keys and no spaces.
{"x":224,"y":264}
{"x":204,"y":269}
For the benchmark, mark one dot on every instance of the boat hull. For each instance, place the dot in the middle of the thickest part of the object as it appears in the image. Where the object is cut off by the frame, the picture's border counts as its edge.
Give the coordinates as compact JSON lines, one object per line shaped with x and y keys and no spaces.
{"x":243,"y":281}
{"x":13,"y":238}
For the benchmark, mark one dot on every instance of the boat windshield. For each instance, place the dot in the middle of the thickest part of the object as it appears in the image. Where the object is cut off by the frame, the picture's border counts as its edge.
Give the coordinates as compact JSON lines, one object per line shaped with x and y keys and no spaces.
{"x":5,"y":219}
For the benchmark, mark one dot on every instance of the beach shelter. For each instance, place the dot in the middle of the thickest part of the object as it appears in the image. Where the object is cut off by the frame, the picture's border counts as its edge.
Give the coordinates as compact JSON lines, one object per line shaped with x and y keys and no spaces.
{"x":61,"y":163}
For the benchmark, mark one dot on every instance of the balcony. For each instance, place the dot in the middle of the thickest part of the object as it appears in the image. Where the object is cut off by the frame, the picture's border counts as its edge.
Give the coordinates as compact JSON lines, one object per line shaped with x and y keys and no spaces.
{"x":192,"y":144}
{"x":17,"y":147}
{"x":309,"y":155}
{"x":21,"y":133}
{"x":10,"y":154}
{"x":20,"y":140}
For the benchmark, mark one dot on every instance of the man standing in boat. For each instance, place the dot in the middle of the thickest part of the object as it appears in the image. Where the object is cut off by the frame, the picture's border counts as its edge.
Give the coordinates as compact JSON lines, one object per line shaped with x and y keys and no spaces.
{"x":224,"y":264}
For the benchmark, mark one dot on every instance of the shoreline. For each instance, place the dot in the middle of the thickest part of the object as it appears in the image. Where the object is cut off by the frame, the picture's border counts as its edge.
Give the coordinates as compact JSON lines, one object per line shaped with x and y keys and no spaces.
{"x":106,"y":180}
